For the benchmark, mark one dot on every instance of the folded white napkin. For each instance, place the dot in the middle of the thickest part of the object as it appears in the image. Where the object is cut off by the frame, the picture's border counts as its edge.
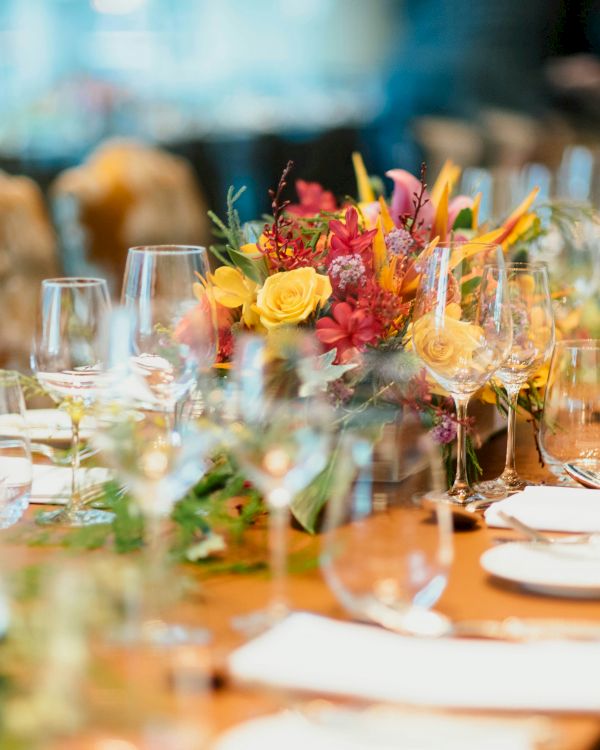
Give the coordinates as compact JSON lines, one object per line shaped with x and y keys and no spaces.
{"x":379,"y":729}
{"x":316,"y":654}
{"x":550,"y":509}
{"x":52,"y":484}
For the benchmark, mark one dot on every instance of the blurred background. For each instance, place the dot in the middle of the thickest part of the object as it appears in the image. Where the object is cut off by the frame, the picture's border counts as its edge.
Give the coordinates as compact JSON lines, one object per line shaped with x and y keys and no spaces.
{"x":123,"y":121}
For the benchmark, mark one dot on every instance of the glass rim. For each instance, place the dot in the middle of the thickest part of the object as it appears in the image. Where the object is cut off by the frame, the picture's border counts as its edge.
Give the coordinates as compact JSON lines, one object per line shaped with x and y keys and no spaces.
{"x":520,"y":265}
{"x":67,"y":281}
{"x":167,"y":250}
{"x":578,"y":344}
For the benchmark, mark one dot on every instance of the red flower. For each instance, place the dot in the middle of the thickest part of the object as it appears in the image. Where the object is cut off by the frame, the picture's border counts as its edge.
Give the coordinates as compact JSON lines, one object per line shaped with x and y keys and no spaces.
{"x":313,"y":199}
{"x":349,"y":327}
{"x":348,"y":239}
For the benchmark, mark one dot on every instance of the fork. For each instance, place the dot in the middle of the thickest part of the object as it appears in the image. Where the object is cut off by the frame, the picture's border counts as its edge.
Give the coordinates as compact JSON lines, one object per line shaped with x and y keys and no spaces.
{"x":539,"y":536}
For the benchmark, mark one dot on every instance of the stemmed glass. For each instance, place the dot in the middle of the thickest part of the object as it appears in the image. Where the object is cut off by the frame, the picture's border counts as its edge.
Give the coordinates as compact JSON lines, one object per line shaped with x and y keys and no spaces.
{"x":15,"y":452}
{"x":570,"y":429}
{"x":158,"y":458}
{"x":166,"y":287}
{"x":281,"y":438}
{"x":462,"y":330}
{"x":67,"y":361}
{"x":533,"y":338}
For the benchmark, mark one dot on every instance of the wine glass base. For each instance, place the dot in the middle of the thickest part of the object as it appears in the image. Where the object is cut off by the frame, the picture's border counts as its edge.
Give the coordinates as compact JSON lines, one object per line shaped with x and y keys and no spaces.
{"x":76,"y":518}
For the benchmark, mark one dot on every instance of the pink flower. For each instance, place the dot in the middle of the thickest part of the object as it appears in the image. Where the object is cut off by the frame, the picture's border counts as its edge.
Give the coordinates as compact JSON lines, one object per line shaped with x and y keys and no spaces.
{"x":349,"y":328}
{"x":406,"y":188}
{"x":312,"y":199}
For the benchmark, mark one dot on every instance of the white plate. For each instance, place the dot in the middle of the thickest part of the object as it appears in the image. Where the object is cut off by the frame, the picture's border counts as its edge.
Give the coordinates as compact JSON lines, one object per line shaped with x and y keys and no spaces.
{"x":47,"y":425}
{"x":571,"y":570}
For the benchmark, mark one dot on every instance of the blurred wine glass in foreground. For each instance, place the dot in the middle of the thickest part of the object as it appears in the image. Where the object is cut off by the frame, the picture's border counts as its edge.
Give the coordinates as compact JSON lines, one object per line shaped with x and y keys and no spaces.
{"x":157,"y":456}
{"x":280,"y":438}
{"x":570,"y":429}
{"x":68,"y":363}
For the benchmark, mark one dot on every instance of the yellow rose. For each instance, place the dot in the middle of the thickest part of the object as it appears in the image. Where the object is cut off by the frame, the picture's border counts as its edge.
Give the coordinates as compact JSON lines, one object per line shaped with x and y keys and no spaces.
{"x":289,"y":297}
{"x":447,"y":347}
{"x":232,"y":289}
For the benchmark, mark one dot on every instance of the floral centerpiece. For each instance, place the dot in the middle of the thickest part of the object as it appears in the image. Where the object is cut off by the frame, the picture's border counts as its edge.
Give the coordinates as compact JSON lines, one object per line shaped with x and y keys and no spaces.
{"x":350,"y":272}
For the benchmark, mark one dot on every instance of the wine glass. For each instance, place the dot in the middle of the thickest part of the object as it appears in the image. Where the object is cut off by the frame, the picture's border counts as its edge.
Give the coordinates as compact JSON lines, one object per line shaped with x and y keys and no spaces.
{"x":281,"y":437}
{"x":157,"y":457}
{"x":532,"y":342}
{"x":15,"y":452}
{"x":570,"y":429}
{"x":166,"y":286}
{"x":67,"y":361}
{"x":384,"y":556}
{"x":462,"y":331}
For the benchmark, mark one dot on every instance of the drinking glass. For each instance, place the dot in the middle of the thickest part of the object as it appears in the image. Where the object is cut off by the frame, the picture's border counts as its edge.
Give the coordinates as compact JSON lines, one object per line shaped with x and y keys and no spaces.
{"x":67,"y":361}
{"x":570,"y":429}
{"x":532,"y":342}
{"x":158,"y":457}
{"x":462,"y":331}
{"x":15,"y":453}
{"x":384,"y":556}
{"x":281,"y":437}
{"x":166,"y":286}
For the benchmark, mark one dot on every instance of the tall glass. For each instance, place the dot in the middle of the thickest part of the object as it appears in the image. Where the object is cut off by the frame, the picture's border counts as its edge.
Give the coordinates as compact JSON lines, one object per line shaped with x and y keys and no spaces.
{"x":67,"y":361}
{"x":166,"y":289}
{"x":533,"y":339}
{"x":281,"y":437}
{"x":15,"y":452}
{"x":462,"y":331}
{"x":570,"y":429}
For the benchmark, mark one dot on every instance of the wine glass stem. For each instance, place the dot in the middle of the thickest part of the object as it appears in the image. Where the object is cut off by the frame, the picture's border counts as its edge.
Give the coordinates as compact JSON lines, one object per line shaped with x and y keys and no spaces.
{"x":75,"y":501}
{"x":461,"y":486}
{"x":155,"y":554}
{"x":510,"y":468}
{"x":278,"y":525}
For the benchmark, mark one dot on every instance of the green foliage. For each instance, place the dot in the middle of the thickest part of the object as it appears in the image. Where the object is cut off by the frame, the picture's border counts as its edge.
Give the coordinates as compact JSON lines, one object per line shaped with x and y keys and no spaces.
{"x":229,"y":252}
{"x":464,"y":220}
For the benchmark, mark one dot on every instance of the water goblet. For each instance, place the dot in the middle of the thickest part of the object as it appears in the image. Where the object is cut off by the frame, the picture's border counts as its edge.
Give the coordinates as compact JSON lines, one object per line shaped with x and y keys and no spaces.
{"x":462,"y":331}
{"x":280,"y":438}
{"x":67,"y":361}
{"x":570,"y":428}
{"x":532,"y":342}
{"x":15,"y":453}
{"x":175,"y":335}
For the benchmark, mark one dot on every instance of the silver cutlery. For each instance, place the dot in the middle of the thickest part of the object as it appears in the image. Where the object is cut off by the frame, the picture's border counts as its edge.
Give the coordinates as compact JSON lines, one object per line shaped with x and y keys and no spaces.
{"x":539,"y":536}
{"x":434,"y":624}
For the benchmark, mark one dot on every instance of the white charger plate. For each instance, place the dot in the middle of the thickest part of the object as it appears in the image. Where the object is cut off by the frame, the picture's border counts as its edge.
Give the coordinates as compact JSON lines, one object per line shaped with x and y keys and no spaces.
{"x":46,"y":425}
{"x":569,"y":570}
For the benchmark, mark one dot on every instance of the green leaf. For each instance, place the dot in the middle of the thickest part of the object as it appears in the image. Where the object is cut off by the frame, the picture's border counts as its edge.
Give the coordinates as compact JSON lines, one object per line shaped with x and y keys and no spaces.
{"x":464,"y":220}
{"x":253,"y":269}
{"x":471,"y":285}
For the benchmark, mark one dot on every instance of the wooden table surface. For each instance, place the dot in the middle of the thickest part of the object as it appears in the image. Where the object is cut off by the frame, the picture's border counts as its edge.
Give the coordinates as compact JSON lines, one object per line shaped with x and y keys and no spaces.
{"x":471,"y":593}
